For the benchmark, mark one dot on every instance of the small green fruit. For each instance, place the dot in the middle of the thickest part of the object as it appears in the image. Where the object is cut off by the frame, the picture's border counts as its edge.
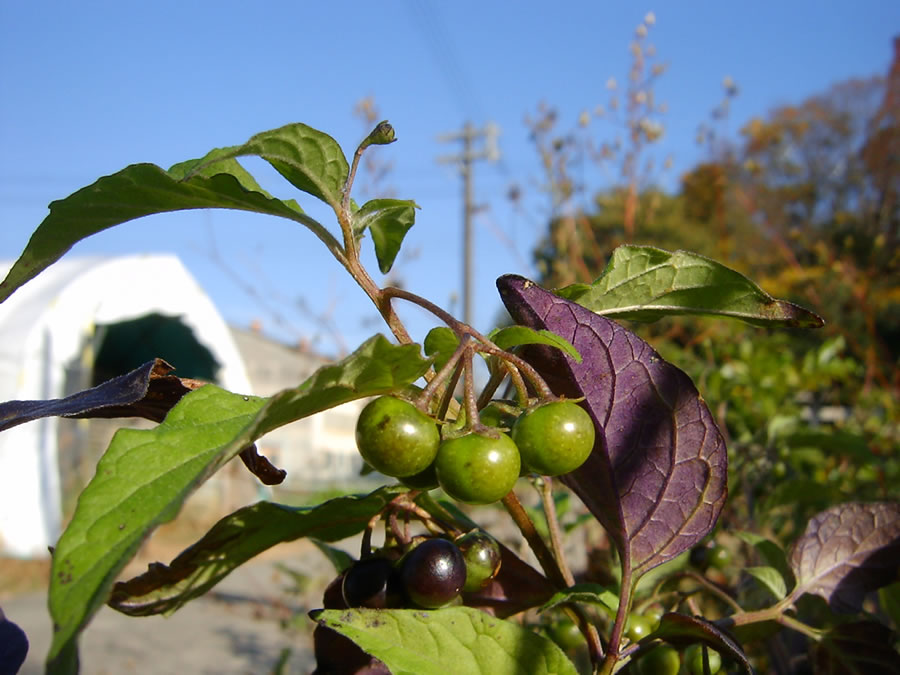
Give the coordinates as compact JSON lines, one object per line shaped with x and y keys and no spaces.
{"x":478,"y":469}
{"x":637,"y":627}
{"x":719,"y":557}
{"x":693,"y":660}
{"x":395,"y":437}
{"x":662,"y":660}
{"x":554,"y":438}
{"x":566,"y":634}
{"x":482,"y":555}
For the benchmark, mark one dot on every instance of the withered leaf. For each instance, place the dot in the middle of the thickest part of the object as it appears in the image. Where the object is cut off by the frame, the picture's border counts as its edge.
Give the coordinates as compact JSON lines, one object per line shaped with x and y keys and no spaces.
{"x":260,"y":466}
{"x":148,"y":391}
{"x":657,"y":477}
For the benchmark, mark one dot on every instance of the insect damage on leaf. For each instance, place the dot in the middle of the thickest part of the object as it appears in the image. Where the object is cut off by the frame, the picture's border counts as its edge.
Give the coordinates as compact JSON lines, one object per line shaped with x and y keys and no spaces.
{"x":656,"y":478}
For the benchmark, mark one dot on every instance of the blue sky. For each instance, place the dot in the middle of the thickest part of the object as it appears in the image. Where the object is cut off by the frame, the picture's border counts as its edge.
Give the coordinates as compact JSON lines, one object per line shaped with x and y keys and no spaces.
{"x":87,"y":88}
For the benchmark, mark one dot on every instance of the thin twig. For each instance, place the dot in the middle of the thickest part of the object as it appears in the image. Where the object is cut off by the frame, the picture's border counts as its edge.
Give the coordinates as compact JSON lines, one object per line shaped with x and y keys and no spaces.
{"x":545,"y":488}
{"x":541,"y":552}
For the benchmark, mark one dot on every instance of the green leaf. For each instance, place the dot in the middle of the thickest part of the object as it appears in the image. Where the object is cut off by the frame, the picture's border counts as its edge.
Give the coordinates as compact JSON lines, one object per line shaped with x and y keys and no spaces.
{"x":458,"y":640}
{"x":141,"y":482}
{"x":141,"y":190}
{"x":772,"y":554}
{"x":389,"y":220}
{"x":889,"y":599}
{"x":440,"y":343}
{"x":340,"y":559}
{"x":309,"y":159}
{"x":236,"y":538}
{"x":588,"y":593}
{"x":513,"y":336}
{"x":770,"y":578}
{"x":145,"y":475}
{"x":833,"y":442}
{"x":643,"y":283}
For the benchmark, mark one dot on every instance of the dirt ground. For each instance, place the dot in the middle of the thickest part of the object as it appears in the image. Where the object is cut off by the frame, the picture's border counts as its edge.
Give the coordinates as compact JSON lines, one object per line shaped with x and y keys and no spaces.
{"x":242,"y":626}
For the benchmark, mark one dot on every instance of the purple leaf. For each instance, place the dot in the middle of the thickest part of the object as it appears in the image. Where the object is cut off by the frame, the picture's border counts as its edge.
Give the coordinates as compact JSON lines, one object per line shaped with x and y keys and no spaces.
{"x":657,"y":477}
{"x":848,"y":551}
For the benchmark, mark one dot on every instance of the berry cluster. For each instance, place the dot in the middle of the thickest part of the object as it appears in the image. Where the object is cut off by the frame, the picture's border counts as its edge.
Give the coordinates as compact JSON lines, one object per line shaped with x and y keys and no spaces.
{"x":481,"y":464}
{"x":430,"y":574}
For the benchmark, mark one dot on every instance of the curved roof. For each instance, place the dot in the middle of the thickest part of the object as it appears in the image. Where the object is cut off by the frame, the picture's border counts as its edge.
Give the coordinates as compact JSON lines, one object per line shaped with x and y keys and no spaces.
{"x":43,"y":326}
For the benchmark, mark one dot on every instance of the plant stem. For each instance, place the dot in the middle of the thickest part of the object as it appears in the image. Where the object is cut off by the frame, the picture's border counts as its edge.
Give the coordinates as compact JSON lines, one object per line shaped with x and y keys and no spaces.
{"x":469,"y":400}
{"x":441,"y":376}
{"x":456,"y":326}
{"x":545,"y":488}
{"x":626,"y":589}
{"x":488,"y":392}
{"x":709,"y":586}
{"x":543,"y":390}
{"x":526,"y":527}
{"x":774,"y":613}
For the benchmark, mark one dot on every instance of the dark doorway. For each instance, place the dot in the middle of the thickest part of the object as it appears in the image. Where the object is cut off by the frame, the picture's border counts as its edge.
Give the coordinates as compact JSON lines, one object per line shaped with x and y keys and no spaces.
{"x":125,"y":345}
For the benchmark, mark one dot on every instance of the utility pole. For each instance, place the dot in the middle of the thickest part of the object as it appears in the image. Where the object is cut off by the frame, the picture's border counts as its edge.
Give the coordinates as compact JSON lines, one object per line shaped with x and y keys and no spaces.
{"x":464,"y":161}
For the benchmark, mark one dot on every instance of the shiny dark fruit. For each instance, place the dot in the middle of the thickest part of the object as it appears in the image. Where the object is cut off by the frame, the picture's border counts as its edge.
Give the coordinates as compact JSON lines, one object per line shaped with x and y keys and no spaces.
{"x":335,"y":653}
{"x":433,"y":573}
{"x":372,"y":583}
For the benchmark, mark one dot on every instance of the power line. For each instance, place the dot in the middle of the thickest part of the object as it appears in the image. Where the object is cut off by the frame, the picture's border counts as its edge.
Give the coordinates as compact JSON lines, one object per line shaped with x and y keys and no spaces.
{"x":434,"y":34}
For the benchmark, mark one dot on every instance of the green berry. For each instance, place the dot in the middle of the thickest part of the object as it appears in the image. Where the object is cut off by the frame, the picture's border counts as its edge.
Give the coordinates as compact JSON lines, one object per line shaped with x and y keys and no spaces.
{"x":482,"y":555}
{"x":693,"y":660}
{"x":554,"y":438}
{"x":566,"y":634}
{"x":395,"y":437}
{"x":637,"y":627}
{"x":478,"y":469}
{"x":719,"y":557}
{"x":424,"y":480}
{"x":653,"y":614}
{"x":662,"y":660}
